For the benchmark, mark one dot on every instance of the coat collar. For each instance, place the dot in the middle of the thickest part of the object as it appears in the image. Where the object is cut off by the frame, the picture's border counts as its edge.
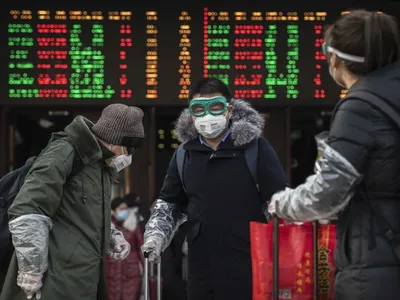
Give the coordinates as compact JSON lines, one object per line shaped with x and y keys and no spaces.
{"x":84,"y":141}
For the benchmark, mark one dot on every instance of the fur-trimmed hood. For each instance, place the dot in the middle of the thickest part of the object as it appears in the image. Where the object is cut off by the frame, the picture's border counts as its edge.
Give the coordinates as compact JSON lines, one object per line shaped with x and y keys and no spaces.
{"x":246,"y":124}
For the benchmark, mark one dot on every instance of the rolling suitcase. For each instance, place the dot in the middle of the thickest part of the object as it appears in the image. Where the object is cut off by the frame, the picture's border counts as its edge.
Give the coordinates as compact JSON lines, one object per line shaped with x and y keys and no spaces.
{"x":154,"y":292}
{"x":275,"y":269}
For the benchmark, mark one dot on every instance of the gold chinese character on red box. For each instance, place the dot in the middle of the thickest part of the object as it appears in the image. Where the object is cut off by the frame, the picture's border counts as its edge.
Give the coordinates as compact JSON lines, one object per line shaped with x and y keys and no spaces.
{"x":299,"y":265}
{"x":300,"y":274}
{"x":299,"y":282}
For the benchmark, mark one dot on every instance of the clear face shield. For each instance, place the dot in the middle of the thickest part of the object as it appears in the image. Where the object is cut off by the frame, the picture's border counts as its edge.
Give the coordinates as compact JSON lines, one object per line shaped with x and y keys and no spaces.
{"x":326,"y":49}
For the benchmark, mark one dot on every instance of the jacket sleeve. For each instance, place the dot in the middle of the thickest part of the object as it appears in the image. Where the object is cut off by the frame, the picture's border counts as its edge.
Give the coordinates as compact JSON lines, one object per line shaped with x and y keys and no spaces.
{"x":351,"y":132}
{"x":172,"y":190}
{"x":272,"y":176}
{"x":167,"y":214}
{"x":36,"y":203}
{"x":44,"y":184}
{"x":343,"y":156}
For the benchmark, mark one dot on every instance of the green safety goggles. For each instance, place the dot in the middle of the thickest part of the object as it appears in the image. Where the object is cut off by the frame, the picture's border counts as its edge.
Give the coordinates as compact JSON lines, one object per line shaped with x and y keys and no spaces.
{"x":215,"y":106}
{"x":325,"y":48}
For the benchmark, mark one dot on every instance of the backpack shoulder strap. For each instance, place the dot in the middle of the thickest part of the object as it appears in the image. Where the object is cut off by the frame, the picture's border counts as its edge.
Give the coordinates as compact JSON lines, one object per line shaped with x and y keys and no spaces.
{"x":77,"y":166}
{"x":251,"y":156}
{"x":180,"y":160}
{"x":379,"y":103}
{"x":383,"y":106}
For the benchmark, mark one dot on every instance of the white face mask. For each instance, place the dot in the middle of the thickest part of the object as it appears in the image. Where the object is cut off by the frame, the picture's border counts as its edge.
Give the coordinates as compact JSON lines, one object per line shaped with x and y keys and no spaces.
{"x":210,"y":126}
{"x":121,"y":162}
{"x":333,"y":75}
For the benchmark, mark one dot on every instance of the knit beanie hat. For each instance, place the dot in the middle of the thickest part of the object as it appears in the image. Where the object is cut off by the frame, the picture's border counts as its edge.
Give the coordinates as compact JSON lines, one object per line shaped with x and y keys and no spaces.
{"x":120,"y":124}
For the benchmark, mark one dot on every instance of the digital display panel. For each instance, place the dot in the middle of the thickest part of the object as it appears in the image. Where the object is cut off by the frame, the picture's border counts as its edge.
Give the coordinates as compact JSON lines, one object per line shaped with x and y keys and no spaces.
{"x":67,"y":55}
{"x":150,"y":56}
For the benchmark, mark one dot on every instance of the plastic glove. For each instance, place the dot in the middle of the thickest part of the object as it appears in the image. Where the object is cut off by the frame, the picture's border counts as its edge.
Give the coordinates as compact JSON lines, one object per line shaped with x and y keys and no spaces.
{"x":269,"y":212}
{"x":324,"y":222}
{"x":185,"y":247}
{"x":30,"y":236}
{"x":30,"y":283}
{"x":325,"y":194}
{"x":271,"y":208}
{"x":153,"y":246}
{"x":119,"y":247}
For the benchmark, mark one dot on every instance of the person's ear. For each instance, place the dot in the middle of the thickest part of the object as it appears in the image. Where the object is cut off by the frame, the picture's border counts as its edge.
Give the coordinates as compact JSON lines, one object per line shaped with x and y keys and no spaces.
{"x":230,"y":109}
{"x":334,"y":61}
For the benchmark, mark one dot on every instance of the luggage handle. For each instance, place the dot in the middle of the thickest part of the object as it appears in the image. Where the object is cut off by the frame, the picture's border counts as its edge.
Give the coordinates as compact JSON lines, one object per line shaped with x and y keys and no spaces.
{"x":146,"y":277}
{"x":315,"y":262}
{"x":275,"y":265}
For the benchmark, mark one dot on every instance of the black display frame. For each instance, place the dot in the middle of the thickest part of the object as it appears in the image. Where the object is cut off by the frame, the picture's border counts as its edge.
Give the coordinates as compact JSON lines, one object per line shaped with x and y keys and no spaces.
{"x":166,"y":51}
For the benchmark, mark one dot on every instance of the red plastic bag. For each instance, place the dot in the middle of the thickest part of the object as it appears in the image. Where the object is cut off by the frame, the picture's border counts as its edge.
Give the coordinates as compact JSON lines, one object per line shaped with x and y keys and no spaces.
{"x":295,"y":261}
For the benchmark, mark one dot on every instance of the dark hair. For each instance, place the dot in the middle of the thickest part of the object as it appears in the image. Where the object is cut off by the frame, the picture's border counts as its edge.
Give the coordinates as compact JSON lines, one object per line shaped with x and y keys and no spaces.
{"x":373,"y":35}
{"x":130,"y":200}
{"x":117,"y":202}
{"x":207,"y":86}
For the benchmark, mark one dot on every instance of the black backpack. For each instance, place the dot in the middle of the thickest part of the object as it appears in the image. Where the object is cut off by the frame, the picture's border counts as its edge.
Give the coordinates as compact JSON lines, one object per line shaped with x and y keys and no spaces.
{"x":389,"y":111}
{"x":10,"y":185}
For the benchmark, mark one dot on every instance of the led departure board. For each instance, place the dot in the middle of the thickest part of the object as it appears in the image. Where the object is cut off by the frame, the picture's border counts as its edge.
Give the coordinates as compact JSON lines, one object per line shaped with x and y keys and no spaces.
{"x":246,"y":50}
{"x":151,"y":56}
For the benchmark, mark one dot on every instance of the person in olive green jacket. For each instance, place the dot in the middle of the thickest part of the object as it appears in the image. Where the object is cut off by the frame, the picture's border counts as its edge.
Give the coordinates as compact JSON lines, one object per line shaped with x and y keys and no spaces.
{"x":60,"y":220}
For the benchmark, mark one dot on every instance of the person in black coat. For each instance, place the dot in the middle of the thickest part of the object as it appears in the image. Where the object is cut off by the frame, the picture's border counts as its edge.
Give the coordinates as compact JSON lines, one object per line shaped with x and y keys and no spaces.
{"x":218,"y":192}
{"x":174,"y":285}
{"x":358,"y":174}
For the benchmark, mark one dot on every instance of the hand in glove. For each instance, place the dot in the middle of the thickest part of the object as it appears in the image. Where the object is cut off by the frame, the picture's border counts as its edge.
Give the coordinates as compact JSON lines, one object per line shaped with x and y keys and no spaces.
{"x":30,"y":283}
{"x":153,"y":246}
{"x":270,"y":212}
{"x":119,"y":247}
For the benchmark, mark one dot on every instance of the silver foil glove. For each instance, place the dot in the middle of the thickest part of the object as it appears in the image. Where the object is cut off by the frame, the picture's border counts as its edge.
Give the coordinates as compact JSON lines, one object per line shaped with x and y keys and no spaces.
{"x":161,"y":228}
{"x":324,"y":194}
{"x":119,"y":247}
{"x":30,"y":236}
